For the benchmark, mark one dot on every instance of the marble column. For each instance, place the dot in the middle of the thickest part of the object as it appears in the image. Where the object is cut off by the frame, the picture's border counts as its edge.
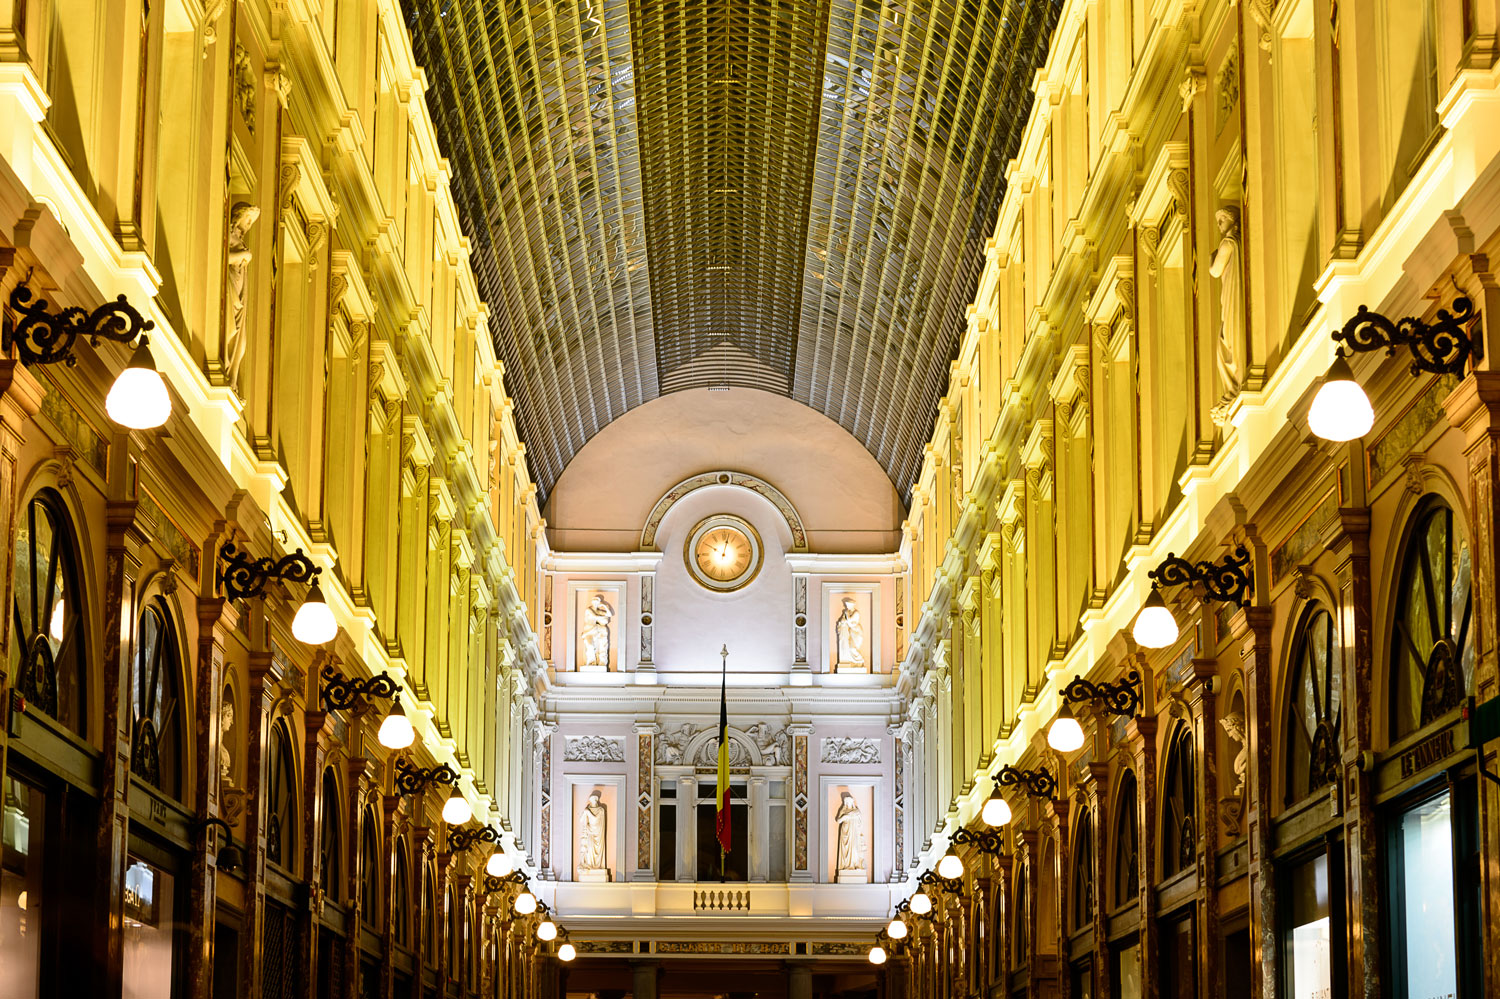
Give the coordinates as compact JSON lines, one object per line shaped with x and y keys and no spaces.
{"x":798,"y":981}
{"x":687,"y":827}
{"x":643,"y":980}
{"x":760,"y":829}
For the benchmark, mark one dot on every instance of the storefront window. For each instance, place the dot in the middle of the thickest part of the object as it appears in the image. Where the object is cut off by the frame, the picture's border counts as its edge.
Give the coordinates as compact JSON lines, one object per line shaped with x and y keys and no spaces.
{"x":1127,"y":879}
{"x":1179,"y":807}
{"x":147,"y":936}
{"x":1309,"y":933}
{"x":1083,"y":872}
{"x":1127,"y":972}
{"x":21,"y":814}
{"x":1423,"y":871}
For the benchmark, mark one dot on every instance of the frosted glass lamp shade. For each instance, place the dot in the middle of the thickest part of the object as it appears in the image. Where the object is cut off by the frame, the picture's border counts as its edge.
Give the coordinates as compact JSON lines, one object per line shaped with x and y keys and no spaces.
{"x":138,"y":399}
{"x":1065,"y":735}
{"x":566,"y":952}
{"x":896,"y":928}
{"x":951,"y":866}
{"x":314,"y":623}
{"x":877,"y":954}
{"x":396,"y":731}
{"x":456,"y":810}
{"x":920,"y":903}
{"x":1341,"y":410}
{"x":546,"y":930}
{"x":996,"y":811}
{"x":525,"y":903}
{"x":498,"y":866}
{"x":1155,"y":627}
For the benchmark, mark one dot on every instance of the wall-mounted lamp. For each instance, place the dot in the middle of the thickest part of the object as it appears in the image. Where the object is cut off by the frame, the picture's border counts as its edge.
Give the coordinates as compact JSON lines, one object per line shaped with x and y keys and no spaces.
{"x":342,"y":693}
{"x":1122,"y":697}
{"x":411,"y":779}
{"x":230,"y":857}
{"x":1341,"y":410}
{"x":1225,"y":581}
{"x":245,"y":577}
{"x":498,"y":865}
{"x":138,"y":399}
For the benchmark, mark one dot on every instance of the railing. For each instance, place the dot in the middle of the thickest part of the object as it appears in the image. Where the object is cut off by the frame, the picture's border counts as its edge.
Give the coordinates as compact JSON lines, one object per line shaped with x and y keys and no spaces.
{"x":721,"y":901}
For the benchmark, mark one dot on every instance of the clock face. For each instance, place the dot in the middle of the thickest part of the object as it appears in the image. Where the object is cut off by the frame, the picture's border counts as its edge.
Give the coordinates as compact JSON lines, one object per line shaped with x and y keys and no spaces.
{"x":723,"y":553}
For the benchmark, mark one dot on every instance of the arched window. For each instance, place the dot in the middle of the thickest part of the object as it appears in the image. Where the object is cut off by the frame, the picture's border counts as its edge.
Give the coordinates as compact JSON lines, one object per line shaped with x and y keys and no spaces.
{"x":1432,"y":662}
{"x":331,"y":868}
{"x":1127,"y":845}
{"x":454,"y":916}
{"x":369,"y":871}
{"x":1021,"y":952}
{"x":281,"y":822}
{"x":401,"y":898}
{"x":156,"y":703}
{"x":1313,"y":750}
{"x":47,"y":657}
{"x":429,"y":916}
{"x":1179,"y":843}
{"x":1083,"y":872}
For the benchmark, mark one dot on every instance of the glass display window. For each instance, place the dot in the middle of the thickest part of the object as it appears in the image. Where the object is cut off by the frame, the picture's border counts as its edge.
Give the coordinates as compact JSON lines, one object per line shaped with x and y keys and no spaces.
{"x":148,"y":934}
{"x":22,"y":828}
{"x":1307,"y":938}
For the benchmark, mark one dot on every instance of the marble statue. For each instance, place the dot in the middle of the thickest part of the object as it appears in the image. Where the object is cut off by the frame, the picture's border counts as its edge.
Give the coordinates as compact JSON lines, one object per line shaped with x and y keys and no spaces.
{"x":595,"y":633}
{"x":1234,"y":730}
{"x":850,"y":633}
{"x":1226,"y":268}
{"x":592,"y":825}
{"x":851,"y":841}
{"x":241,"y":218}
{"x":226,"y":722}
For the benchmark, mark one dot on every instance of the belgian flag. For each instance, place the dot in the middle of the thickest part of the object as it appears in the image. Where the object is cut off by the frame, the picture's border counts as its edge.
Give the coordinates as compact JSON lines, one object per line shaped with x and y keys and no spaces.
{"x":721,"y":818}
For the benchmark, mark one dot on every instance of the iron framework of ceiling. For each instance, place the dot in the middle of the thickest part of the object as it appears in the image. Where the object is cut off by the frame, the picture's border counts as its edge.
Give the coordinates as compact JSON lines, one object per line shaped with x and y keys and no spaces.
{"x":790,"y":195}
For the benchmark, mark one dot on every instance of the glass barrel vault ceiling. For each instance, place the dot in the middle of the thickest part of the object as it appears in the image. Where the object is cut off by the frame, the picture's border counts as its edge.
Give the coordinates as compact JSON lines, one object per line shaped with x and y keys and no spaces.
{"x":670,"y":194}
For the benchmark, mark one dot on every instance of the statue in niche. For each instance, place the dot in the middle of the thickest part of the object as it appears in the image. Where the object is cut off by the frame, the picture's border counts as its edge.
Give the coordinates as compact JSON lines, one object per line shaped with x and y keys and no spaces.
{"x":595,"y":633}
{"x":592,"y":827}
{"x":849,"y":631}
{"x":226,"y":759}
{"x":1226,"y":268}
{"x":241,"y":218}
{"x":1234,"y":730}
{"x":851,"y":840}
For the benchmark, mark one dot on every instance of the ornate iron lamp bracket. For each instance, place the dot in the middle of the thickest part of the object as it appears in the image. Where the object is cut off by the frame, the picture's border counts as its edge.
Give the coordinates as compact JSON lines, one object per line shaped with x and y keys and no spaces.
{"x":244,"y":577}
{"x":46,"y":337}
{"x":412,"y":779}
{"x":1121,"y":697}
{"x":341,"y":693}
{"x":462,"y":839}
{"x":1441,"y":347}
{"x":988,"y":841}
{"x":948,"y":886}
{"x":1038,"y":783}
{"x":1225,"y":581}
{"x":494,"y":884}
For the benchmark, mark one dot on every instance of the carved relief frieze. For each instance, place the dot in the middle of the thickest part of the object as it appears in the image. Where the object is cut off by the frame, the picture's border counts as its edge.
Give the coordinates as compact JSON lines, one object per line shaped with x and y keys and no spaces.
{"x":594,"y":749}
{"x":850,"y":749}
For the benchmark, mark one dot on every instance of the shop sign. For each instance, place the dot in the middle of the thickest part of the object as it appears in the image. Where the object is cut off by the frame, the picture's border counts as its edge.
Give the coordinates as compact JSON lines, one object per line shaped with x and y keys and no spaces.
{"x":1427,"y":752}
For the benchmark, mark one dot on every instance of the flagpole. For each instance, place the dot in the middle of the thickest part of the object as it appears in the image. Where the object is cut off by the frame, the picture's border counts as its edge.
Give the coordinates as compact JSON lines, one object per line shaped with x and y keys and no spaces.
{"x":723,"y":735}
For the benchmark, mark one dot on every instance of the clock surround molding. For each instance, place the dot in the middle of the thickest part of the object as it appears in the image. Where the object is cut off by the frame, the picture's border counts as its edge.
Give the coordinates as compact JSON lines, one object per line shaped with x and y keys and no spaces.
{"x":731,"y":525}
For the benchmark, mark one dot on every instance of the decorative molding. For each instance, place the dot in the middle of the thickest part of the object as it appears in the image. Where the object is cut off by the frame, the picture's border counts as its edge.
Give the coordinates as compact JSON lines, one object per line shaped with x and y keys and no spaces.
{"x":850,"y":749}
{"x":724,"y":478}
{"x":594,"y":749}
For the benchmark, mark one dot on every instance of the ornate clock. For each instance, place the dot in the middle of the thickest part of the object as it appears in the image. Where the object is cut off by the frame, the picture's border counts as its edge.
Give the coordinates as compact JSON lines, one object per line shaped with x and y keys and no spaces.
{"x":723,"y":553}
